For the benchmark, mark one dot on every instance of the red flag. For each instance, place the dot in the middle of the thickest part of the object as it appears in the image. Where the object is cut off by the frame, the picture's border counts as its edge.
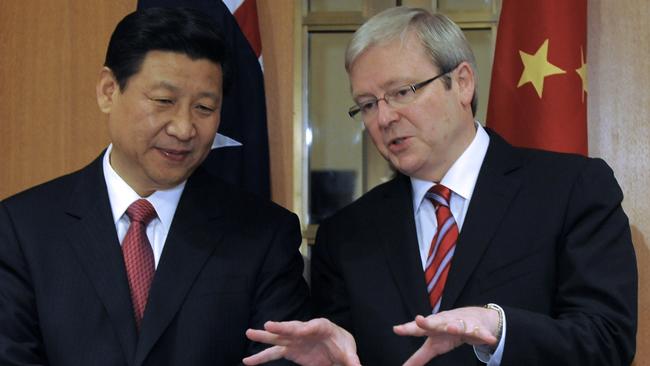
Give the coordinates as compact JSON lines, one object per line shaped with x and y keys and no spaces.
{"x":538,"y":93}
{"x":245,"y":11}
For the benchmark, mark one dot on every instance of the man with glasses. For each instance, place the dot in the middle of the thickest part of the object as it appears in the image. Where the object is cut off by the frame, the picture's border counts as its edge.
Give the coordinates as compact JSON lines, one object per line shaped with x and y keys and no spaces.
{"x":476,"y":251}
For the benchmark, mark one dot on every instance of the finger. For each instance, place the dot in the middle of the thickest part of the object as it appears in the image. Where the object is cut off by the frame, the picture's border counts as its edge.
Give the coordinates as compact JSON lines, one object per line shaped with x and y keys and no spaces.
{"x":264,"y":336}
{"x":315,"y":327}
{"x":410,"y":329}
{"x":476,"y":330}
{"x":478,"y":336}
{"x":457,"y":327}
{"x":347,"y":357}
{"x":423,"y":355}
{"x":284,"y":328}
{"x":343,"y":350}
{"x":269,"y":354}
{"x":352,"y":360}
{"x":437,"y":325}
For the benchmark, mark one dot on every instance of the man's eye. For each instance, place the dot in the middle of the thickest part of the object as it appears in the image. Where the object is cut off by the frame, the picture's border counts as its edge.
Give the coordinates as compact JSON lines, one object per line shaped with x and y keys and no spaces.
{"x":401,"y":93}
{"x":163,"y":101}
{"x":367,"y":106}
{"x":205,"y":109}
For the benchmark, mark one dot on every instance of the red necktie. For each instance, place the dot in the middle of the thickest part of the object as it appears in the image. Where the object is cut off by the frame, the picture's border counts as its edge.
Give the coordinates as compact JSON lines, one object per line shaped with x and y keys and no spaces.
{"x":138,"y":255}
{"x":442,"y":246}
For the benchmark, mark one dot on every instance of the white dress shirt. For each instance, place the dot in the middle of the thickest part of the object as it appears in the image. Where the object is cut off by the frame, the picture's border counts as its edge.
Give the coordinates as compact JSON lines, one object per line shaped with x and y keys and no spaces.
{"x":460,"y":179}
{"x":121,"y":196}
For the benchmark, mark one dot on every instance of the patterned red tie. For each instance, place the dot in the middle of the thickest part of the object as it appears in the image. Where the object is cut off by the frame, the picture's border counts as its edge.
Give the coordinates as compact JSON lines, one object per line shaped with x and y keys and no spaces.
{"x":442,"y":246}
{"x":138,"y":255}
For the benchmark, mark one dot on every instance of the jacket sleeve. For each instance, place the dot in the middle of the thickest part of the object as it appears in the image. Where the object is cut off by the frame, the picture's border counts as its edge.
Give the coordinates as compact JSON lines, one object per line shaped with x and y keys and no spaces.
{"x":281,"y":293}
{"x":594,"y":317}
{"x":20,"y":339}
{"x":328,"y":288}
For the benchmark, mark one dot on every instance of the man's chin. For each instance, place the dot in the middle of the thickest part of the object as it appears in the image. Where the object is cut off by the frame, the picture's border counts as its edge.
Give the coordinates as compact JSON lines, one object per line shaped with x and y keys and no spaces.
{"x":168,"y":181}
{"x":402,"y":165}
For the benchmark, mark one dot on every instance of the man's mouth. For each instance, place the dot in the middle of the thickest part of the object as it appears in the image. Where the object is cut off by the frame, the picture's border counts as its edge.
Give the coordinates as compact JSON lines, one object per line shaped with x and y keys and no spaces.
{"x":175,"y":155}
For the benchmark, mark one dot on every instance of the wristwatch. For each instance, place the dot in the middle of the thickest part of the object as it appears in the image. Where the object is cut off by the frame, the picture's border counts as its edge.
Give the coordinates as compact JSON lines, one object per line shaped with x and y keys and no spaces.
{"x":499,"y":310}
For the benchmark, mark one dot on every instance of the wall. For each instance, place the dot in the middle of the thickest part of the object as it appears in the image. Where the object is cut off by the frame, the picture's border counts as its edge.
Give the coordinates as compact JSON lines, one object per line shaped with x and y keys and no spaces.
{"x":277,"y":22}
{"x":619,"y":105}
{"x":51,"y":55}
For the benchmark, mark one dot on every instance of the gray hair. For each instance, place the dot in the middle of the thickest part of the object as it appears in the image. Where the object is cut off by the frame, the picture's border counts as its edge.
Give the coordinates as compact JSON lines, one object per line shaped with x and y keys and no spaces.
{"x":441,"y":38}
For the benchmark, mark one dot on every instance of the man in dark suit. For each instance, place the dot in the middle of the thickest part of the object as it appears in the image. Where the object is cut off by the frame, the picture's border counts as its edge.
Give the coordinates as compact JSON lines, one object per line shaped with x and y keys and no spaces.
{"x":142,"y":258}
{"x":477,"y":251}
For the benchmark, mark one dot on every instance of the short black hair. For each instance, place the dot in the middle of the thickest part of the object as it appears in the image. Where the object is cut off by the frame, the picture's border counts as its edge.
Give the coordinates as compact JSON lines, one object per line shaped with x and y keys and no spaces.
{"x":181,"y":30}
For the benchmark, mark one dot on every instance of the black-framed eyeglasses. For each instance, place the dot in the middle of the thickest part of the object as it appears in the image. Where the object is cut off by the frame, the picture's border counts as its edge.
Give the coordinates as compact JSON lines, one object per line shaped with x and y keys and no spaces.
{"x":366,"y":109}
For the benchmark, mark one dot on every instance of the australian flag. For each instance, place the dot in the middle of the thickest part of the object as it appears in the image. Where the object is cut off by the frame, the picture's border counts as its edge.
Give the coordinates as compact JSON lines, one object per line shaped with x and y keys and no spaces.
{"x":240,"y":152}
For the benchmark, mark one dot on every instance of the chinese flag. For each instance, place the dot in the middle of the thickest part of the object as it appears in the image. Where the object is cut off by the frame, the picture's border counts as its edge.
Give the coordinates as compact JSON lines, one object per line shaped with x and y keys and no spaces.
{"x":538,"y":94}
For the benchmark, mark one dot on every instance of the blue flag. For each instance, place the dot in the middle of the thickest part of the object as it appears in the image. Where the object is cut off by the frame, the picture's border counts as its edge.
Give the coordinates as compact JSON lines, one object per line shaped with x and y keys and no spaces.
{"x":243,"y":156}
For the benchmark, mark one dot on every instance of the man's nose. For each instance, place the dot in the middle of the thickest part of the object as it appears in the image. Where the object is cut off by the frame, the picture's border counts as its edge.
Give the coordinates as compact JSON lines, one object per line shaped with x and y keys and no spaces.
{"x":385,"y":113}
{"x":181,"y":125}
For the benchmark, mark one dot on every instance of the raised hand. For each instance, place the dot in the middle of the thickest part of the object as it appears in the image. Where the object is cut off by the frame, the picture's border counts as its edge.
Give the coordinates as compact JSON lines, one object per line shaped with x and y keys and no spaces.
{"x":318,"y":342}
{"x":449,"y":329}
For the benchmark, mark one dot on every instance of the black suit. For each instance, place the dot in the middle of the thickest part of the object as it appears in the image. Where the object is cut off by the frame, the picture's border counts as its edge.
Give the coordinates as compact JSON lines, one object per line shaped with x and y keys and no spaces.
{"x":230,"y":262}
{"x":544,"y":237}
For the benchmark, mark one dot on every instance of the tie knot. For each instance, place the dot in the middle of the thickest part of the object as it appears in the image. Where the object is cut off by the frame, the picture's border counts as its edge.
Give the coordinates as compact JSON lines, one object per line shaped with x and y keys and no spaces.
{"x":439,"y":195}
{"x":141,"y":211}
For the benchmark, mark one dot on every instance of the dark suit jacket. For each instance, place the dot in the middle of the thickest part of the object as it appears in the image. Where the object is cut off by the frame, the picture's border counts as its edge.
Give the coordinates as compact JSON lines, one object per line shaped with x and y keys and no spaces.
{"x":230,"y":262}
{"x":544,"y":237}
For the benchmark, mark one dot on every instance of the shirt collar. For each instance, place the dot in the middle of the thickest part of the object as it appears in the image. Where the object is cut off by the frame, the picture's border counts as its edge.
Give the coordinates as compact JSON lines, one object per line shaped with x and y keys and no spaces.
{"x":121,"y":195}
{"x":461,"y":177}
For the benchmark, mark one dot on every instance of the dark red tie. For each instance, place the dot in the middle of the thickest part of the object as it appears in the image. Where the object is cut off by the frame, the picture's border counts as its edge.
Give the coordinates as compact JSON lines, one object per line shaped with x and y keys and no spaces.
{"x":138,"y":255}
{"x":442,"y":247}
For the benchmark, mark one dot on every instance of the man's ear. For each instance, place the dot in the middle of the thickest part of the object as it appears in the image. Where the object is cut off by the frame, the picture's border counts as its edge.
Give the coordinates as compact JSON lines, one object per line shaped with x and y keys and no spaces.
{"x":466,"y":83}
{"x":107,"y":89}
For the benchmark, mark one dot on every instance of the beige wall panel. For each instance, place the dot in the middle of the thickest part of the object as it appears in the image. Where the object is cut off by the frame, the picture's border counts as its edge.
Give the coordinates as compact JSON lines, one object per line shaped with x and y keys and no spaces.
{"x":619,"y":132}
{"x":51,"y":52}
{"x":276,"y":19}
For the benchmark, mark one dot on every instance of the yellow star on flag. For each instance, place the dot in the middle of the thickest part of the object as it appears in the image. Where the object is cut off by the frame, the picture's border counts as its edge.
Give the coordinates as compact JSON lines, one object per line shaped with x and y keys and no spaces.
{"x":537,"y":67}
{"x":582,"y":72}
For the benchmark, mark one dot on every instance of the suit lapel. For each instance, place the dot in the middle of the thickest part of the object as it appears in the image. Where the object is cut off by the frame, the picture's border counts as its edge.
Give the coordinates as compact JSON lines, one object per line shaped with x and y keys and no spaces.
{"x":94,"y":239}
{"x":496,"y":186}
{"x":396,"y":231}
{"x":191,"y":240}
